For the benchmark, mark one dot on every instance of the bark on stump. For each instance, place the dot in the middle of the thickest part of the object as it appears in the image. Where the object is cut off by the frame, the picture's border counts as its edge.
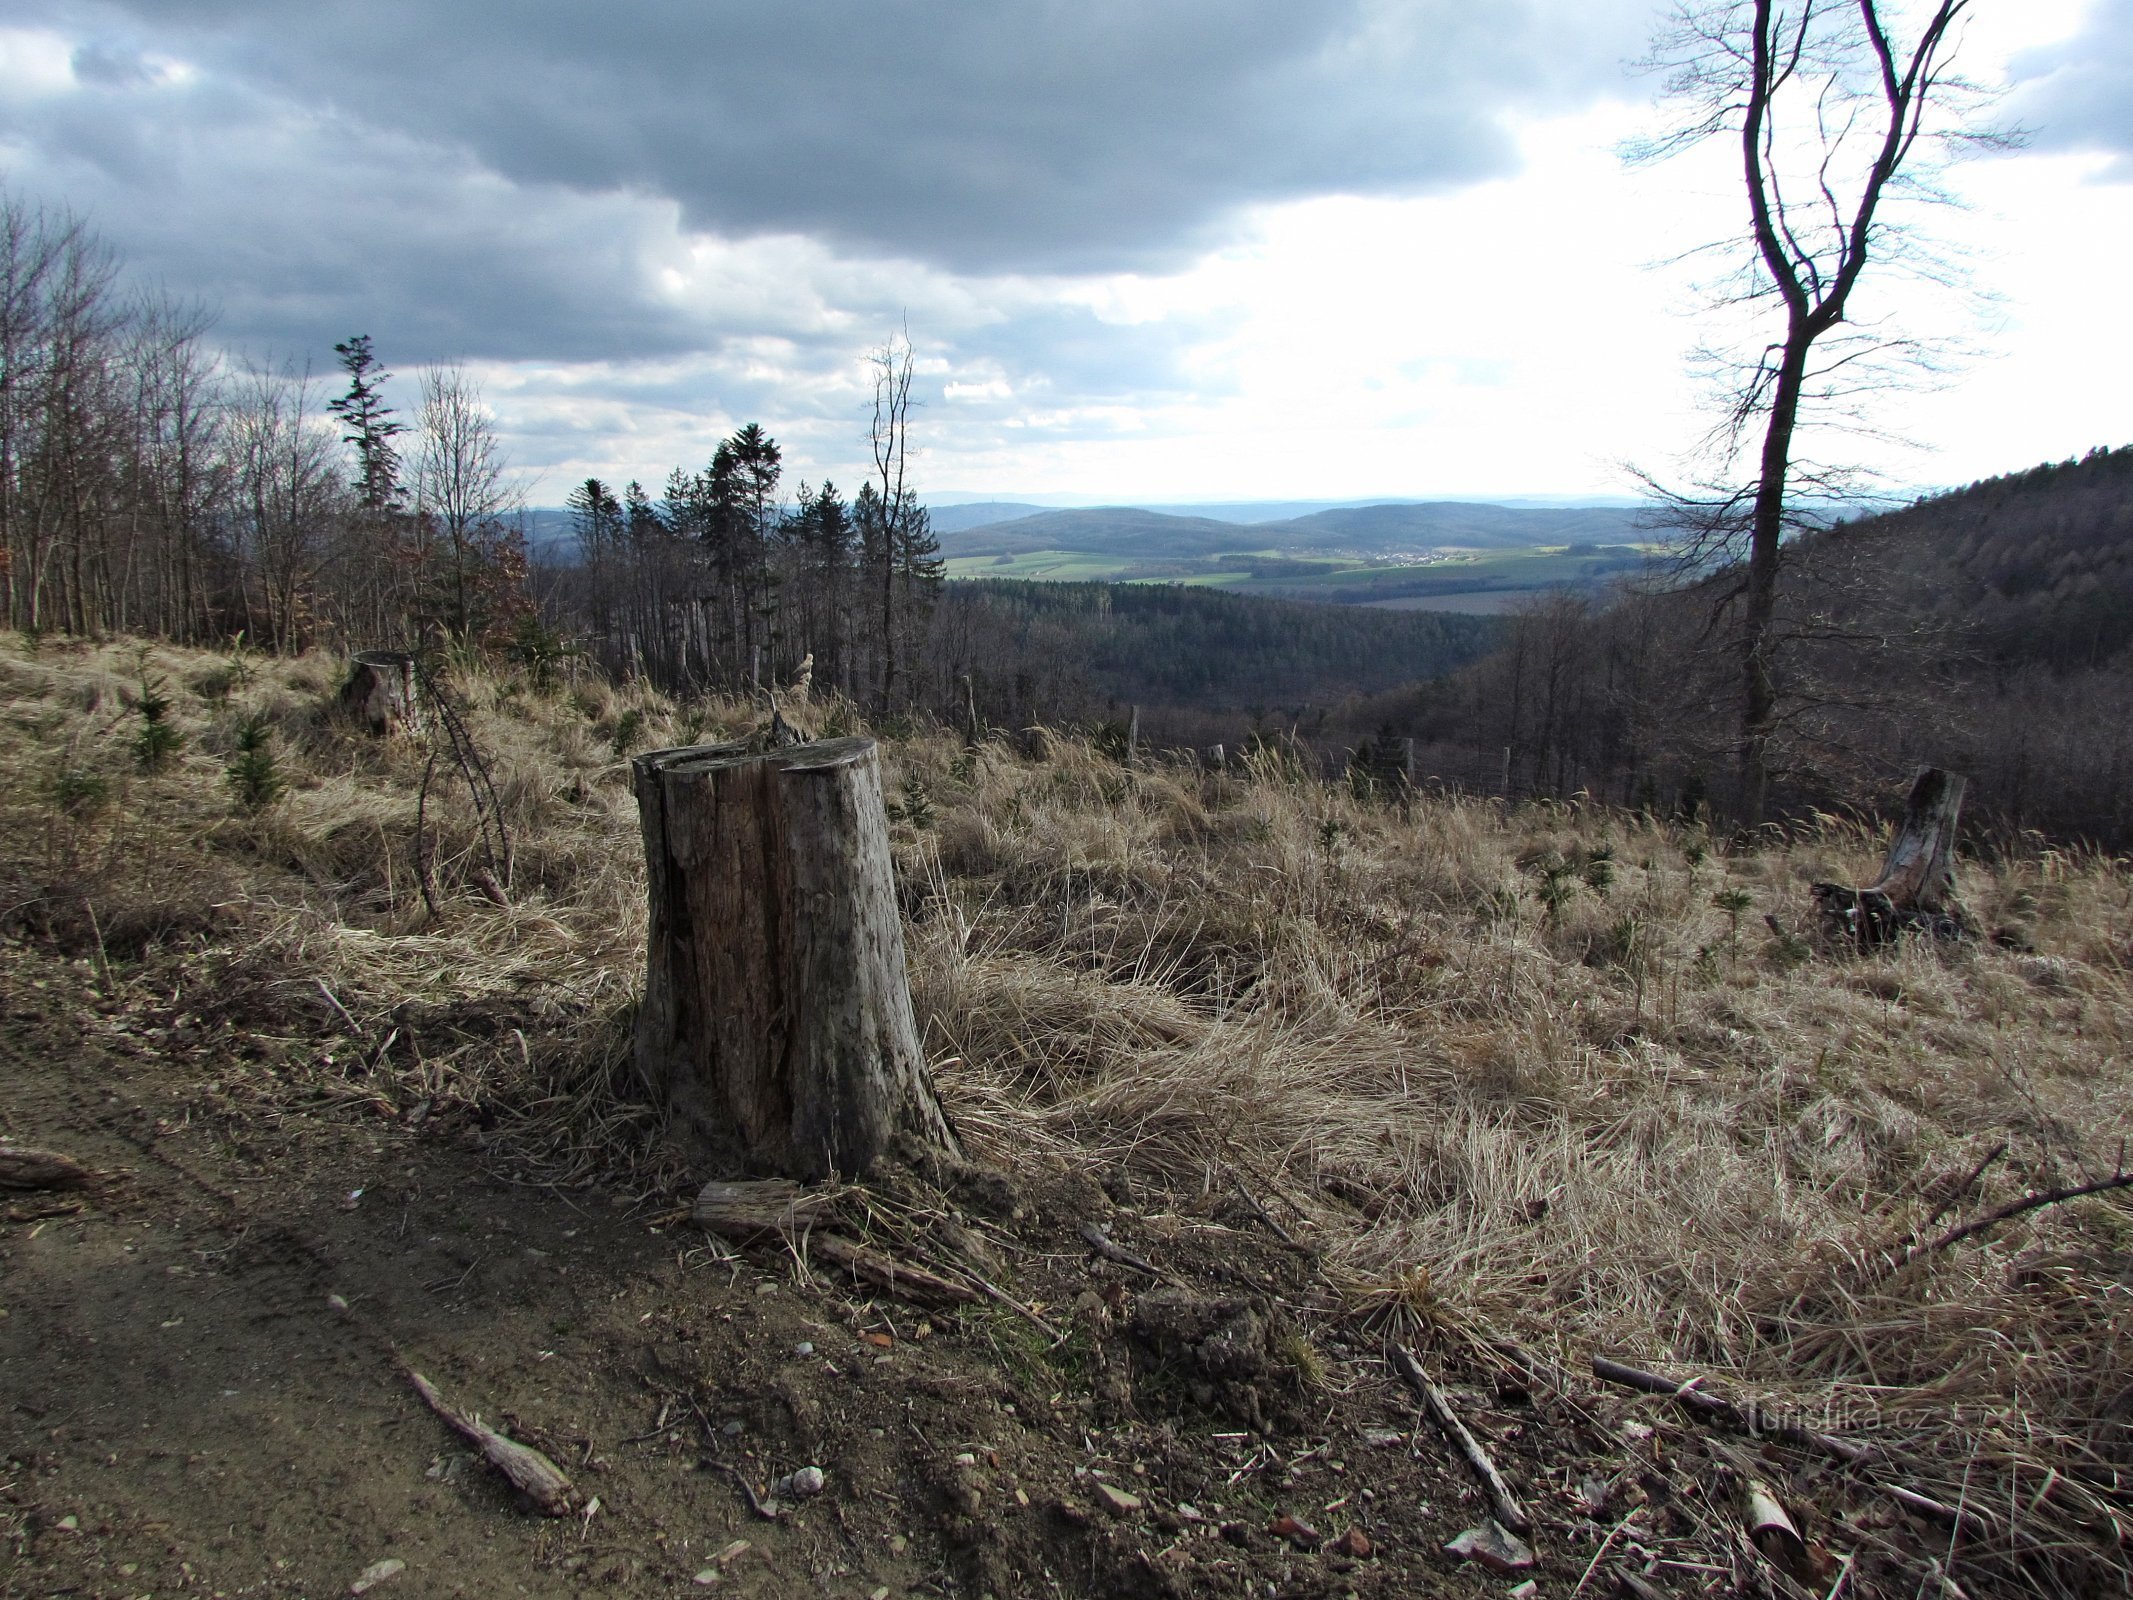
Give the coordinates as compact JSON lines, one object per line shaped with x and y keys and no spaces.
{"x":1916,"y":889}
{"x":777,"y":1032}
{"x":382,"y":692}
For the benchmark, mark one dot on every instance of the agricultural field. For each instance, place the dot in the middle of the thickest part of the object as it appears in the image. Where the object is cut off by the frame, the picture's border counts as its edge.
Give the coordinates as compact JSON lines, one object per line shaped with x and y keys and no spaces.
{"x":1453,"y":580}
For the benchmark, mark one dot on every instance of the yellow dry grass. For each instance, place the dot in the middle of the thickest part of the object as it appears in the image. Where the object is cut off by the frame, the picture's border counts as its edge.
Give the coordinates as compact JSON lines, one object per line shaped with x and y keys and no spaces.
{"x":1542,"y":1077}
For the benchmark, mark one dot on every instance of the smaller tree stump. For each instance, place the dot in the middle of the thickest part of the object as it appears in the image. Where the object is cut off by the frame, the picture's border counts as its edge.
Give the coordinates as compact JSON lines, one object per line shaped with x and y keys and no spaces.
{"x":383,"y":692}
{"x":777,"y":1031}
{"x":1916,"y":889}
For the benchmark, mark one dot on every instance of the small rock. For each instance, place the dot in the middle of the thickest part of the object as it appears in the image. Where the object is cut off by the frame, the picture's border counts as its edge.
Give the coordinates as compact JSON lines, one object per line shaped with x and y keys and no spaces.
{"x":733,"y":1428}
{"x":966,"y":1459}
{"x":707,"y":1578}
{"x":376,"y":1573}
{"x":733,"y":1552}
{"x":1116,"y":1499}
{"x":1297,"y":1532}
{"x":806,"y":1347}
{"x":1493,"y":1547}
{"x":1355,"y":1542}
{"x":766,"y":1288}
{"x":1525,"y":1591}
{"x":804,"y":1484}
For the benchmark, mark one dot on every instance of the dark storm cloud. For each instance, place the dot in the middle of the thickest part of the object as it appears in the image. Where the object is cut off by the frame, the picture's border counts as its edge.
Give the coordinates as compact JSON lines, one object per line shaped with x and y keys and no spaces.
{"x":2079,"y":94}
{"x":719,"y":206}
{"x":1043,"y":136}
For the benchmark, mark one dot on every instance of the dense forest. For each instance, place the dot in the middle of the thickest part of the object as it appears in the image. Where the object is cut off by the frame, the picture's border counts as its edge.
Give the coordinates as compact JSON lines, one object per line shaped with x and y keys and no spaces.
{"x":1202,"y":666}
{"x":1989,"y":630}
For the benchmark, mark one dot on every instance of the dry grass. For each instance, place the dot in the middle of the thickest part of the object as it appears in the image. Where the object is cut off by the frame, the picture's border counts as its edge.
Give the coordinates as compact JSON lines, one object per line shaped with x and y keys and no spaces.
{"x":1542,"y":1076}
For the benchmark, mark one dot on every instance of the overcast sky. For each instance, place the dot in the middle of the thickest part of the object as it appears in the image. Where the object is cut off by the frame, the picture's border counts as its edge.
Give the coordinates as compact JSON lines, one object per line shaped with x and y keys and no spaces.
{"x":1146,"y":249}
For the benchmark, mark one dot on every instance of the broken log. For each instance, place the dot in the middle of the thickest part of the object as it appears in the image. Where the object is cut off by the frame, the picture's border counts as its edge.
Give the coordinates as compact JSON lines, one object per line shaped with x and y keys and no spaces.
{"x":777,"y":1033}
{"x":1916,"y":889}
{"x":24,"y":1168}
{"x":383,"y":692}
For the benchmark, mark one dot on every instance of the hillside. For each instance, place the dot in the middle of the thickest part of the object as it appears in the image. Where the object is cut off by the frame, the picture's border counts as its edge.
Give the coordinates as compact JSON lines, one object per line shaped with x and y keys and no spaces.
{"x":1200,"y":663}
{"x":1379,"y":529}
{"x":1511,"y":1088}
{"x":1989,"y":630}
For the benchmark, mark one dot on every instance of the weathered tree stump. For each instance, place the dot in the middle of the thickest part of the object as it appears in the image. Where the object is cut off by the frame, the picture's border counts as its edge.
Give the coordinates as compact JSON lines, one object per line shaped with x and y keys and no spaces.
{"x":777,"y":1031}
{"x":383,"y":692}
{"x":1916,"y":889}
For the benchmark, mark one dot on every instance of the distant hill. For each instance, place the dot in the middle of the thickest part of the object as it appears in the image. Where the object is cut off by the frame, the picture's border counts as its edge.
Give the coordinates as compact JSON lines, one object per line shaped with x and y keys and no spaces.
{"x":978,"y":514}
{"x":1371,"y":529}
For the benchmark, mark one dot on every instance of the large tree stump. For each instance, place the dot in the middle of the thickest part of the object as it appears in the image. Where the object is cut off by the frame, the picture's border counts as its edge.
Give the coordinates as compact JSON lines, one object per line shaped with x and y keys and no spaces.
{"x":777,"y":1031}
{"x":383,"y":692}
{"x":1916,"y":889}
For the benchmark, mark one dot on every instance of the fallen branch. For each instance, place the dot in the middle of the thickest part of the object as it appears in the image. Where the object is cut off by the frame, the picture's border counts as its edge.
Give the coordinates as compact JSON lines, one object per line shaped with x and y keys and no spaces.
{"x":24,"y":1168}
{"x":2032,"y":1202}
{"x":1267,"y":1216}
{"x":530,"y":1472}
{"x":898,"y":1277}
{"x":1501,"y":1500}
{"x":778,"y":1207}
{"x":994,"y":1292}
{"x":1100,"y":1242}
{"x":1710,"y":1407}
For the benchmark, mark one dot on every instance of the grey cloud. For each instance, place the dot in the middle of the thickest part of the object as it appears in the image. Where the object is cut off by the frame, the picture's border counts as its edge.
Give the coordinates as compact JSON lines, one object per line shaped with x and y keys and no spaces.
{"x":1043,"y":136}
{"x":2079,"y":94}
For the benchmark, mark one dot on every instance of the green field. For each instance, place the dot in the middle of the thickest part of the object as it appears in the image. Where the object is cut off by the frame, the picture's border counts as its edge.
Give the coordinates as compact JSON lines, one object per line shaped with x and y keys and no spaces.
{"x":1479,"y":580}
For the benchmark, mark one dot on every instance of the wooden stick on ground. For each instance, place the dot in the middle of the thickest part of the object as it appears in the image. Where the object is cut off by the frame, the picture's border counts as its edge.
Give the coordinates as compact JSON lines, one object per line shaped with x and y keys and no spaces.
{"x":1714,"y":1409}
{"x":24,"y":1168}
{"x":748,"y":1211}
{"x":1501,"y":1500}
{"x":530,"y":1472}
{"x":1097,"y":1240}
{"x":1711,"y":1408}
{"x":2032,"y":1202}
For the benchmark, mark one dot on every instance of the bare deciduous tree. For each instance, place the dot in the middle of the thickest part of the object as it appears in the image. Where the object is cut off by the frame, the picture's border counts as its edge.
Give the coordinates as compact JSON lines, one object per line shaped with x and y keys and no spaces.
{"x":462,"y":488}
{"x":1838,"y":110}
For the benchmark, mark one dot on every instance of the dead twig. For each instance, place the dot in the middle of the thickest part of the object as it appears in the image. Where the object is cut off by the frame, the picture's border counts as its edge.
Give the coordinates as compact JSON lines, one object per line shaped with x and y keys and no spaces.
{"x":1100,"y":1242}
{"x":531,"y":1473}
{"x":1501,"y":1500}
{"x":2036,"y":1201}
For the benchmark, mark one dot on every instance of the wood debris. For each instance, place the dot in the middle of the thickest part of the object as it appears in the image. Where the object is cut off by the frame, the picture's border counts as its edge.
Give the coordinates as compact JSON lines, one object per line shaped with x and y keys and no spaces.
{"x":1501,"y":1500}
{"x":530,"y":1472}
{"x":22,"y":1167}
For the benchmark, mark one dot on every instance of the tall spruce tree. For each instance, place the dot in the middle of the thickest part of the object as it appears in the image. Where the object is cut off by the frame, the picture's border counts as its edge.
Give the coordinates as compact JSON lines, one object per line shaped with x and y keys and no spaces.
{"x":368,"y":425}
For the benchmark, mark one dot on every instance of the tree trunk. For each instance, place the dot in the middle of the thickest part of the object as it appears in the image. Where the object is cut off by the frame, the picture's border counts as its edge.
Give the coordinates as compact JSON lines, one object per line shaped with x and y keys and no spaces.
{"x":777,"y":1032}
{"x":383,"y":693}
{"x":1916,"y":889}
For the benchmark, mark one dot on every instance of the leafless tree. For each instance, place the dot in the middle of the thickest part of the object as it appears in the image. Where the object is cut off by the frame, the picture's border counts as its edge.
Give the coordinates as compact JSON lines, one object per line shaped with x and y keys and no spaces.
{"x":1839,"y":111}
{"x":462,"y":488}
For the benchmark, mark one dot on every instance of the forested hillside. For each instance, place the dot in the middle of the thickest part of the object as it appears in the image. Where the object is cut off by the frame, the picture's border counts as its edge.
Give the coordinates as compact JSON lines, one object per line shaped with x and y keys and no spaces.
{"x":1989,"y":630}
{"x":1202,"y":665}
